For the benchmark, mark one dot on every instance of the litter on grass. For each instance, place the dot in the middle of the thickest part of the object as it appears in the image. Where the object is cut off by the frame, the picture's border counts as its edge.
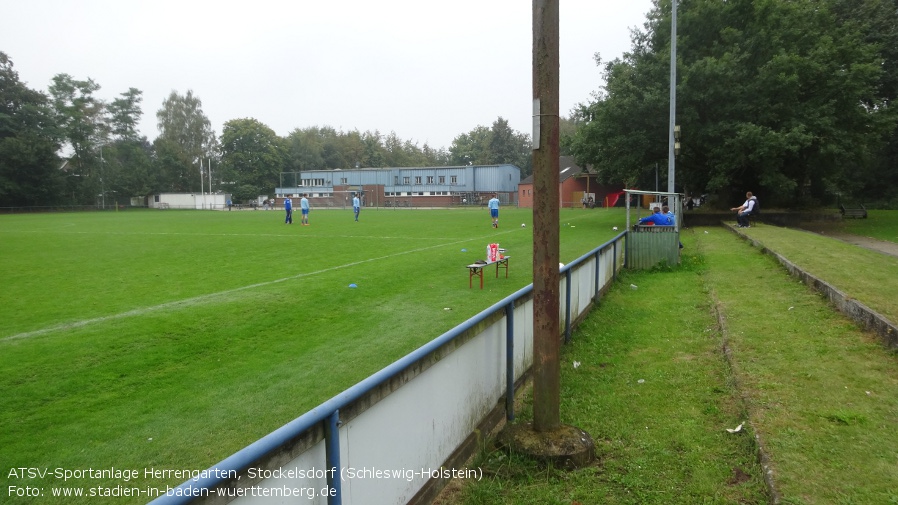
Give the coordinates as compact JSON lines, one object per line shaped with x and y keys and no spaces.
{"x":737,"y":429}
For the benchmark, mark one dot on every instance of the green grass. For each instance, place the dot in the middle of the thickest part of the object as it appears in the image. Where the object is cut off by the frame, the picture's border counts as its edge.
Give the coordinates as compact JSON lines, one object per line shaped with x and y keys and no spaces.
{"x":879,"y":224}
{"x":656,"y":392}
{"x":823,"y":393}
{"x":172,"y":339}
{"x":868,"y":276}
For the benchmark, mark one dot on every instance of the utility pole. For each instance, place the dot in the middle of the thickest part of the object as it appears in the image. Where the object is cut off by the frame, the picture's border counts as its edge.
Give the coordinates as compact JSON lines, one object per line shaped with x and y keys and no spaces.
{"x":546,"y":150}
{"x":546,"y":438}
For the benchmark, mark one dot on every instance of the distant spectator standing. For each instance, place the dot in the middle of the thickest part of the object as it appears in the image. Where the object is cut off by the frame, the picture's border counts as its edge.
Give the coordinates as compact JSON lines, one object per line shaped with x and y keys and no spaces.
{"x":493,"y":204}
{"x":356,"y":205}
{"x":304,"y":208}
{"x":229,"y":205}
{"x":288,"y":206}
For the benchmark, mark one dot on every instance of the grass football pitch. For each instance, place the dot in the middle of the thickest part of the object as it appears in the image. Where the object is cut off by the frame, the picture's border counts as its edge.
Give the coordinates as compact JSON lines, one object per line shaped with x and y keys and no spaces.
{"x":171,"y":339}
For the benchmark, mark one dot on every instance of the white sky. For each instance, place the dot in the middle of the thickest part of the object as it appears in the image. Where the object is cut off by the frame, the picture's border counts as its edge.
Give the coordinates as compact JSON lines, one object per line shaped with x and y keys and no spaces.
{"x":427,"y":70}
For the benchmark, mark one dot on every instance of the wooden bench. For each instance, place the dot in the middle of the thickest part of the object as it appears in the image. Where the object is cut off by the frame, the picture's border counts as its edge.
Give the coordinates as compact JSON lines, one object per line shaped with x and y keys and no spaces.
{"x":860,"y":213}
{"x":476,"y":269}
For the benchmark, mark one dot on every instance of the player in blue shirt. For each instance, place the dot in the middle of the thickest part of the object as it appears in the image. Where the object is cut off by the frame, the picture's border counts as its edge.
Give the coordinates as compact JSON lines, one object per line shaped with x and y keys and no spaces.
{"x":493,"y":204}
{"x":288,"y":206}
{"x":356,"y":205}
{"x":304,"y":207}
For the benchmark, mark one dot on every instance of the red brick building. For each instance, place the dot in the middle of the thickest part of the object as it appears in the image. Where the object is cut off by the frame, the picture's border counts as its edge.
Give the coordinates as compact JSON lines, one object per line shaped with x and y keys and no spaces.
{"x":574,"y":184}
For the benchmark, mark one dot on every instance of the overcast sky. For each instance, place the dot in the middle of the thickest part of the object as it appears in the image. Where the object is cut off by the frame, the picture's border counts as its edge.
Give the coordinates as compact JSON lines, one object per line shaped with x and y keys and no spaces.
{"x":427,"y":70}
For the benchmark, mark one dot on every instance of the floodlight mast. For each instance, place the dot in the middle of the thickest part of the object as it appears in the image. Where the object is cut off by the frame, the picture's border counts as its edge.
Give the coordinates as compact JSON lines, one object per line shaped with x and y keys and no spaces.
{"x":671,"y":153}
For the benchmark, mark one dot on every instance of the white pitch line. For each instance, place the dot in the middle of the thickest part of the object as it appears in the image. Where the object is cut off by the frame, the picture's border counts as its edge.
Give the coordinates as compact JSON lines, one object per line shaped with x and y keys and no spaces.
{"x":205,"y":298}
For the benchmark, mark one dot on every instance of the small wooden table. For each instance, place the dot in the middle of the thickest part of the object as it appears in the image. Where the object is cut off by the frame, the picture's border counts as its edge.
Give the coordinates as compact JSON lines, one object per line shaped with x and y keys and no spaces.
{"x":476,"y":269}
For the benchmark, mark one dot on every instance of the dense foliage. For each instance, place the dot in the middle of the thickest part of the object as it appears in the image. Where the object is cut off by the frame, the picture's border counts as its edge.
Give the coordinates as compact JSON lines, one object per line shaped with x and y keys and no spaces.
{"x":29,"y":139}
{"x":792,"y":100}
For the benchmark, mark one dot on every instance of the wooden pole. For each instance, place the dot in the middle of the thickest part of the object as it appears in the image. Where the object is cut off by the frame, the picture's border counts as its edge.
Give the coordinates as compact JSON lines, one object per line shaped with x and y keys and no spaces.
{"x":546,"y":297}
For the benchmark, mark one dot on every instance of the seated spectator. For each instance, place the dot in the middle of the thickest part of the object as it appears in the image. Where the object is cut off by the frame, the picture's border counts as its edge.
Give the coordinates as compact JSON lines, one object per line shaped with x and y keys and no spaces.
{"x":656,"y":218}
{"x":745,"y":210}
{"x":670,"y":215}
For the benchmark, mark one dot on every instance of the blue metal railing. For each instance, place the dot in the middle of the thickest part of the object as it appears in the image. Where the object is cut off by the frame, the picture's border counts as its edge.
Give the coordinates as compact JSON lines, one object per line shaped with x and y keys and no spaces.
{"x":328,"y":412}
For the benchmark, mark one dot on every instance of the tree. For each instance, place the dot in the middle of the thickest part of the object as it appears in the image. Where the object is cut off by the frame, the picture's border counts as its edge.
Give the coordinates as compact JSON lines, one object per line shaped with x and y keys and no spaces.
{"x":29,"y":140}
{"x":379,"y":153}
{"x":127,"y":159}
{"x":186,"y":137}
{"x":128,"y":169}
{"x":80,"y":116}
{"x":319,"y":148}
{"x":877,"y":20}
{"x":493,"y":146}
{"x":776,"y":97}
{"x":124,"y":114}
{"x":252,"y":154}
{"x":304,"y":150}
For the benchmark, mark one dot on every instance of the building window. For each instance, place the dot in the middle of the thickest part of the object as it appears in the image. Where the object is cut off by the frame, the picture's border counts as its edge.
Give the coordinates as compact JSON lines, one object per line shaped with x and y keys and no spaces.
{"x":405,"y":180}
{"x":343,"y":180}
{"x":418,"y":179}
{"x":453,"y":179}
{"x":442,"y":179}
{"x":429,"y":179}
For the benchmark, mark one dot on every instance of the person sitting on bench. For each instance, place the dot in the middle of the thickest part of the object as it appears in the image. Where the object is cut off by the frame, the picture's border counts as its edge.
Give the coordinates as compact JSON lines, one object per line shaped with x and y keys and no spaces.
{"x":745,"y":210}
{"x":656,"y":218}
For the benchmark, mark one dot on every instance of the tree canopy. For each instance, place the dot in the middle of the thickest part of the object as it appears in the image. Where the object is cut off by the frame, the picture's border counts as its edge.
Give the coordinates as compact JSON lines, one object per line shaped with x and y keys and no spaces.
{"x":251,"y":155}
{"x":791,"y":100}
{"x":29,"y":140}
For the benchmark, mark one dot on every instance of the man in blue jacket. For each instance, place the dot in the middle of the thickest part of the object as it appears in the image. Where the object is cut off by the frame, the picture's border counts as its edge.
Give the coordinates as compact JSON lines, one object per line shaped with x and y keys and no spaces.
{"x":657,"y":218}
